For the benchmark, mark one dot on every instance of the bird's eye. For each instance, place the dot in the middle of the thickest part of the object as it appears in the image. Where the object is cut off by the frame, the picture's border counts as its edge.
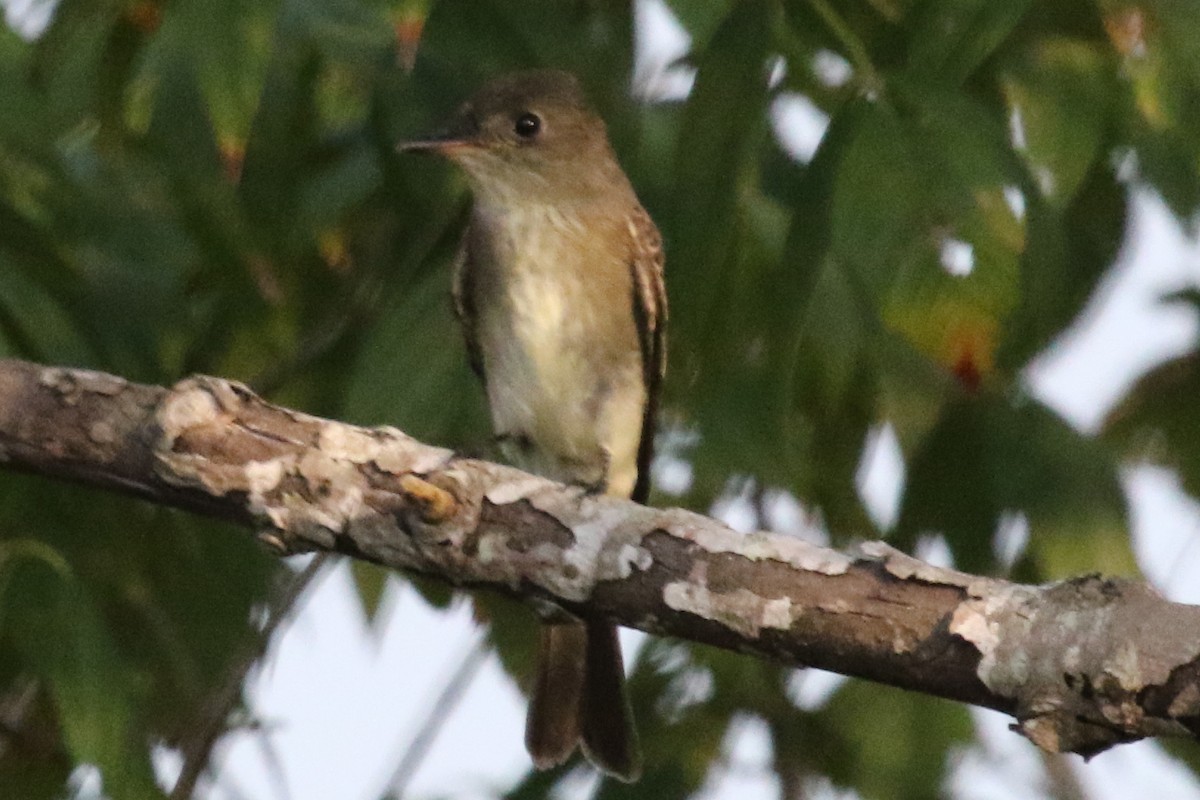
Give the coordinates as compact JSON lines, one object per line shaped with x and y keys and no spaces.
{"x":528,"y":125}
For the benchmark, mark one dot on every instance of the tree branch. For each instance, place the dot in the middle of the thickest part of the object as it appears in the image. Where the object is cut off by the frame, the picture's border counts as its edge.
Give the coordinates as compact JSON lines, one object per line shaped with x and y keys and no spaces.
{"x":1082,"y":664}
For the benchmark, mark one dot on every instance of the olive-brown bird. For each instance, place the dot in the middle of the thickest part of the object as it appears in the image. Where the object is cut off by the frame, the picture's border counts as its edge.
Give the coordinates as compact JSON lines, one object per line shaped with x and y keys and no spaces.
{"x":559,"y":289}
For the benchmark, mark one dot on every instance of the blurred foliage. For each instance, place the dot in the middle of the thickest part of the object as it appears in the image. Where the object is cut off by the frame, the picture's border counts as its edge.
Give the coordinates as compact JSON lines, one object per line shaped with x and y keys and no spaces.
{"x":209,"y":185}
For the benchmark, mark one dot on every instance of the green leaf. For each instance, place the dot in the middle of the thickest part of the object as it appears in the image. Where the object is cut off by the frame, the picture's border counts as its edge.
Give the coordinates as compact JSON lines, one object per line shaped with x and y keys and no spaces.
{"x":887,"y":744}
{"x":462,"y":45}
{"x":951,"y":38}
{"x":1161,"y":118}
{"x":442,"y":78}
{"x":225,"y":45}
{"x":1157,"y":419}
{"x":1063,"y":93}
{"x":945,"y":173}
{"x":700,"y":20}
{"x":282,"y":138}
{"x":67,"y":56}
{"x":176,"y":608}
{"x":724,"y":240}
{"x":413,"y":372}
{"x":834,"y":395}
{"x":988,"y":456}
{"x":54,"y":624}
{"x":371,"y":581}
{"x":1067,"y":254}
{"x":723,"y":121}
{"x":36,"y":322}
{"x":180,"y":130}
{"x":342,"y":181}
{"x":872,"y":232}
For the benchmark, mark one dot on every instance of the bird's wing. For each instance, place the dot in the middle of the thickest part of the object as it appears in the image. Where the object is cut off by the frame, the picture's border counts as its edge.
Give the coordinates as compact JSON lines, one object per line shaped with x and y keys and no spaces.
{"x":464,"y":302}
{"x":650,"y":314}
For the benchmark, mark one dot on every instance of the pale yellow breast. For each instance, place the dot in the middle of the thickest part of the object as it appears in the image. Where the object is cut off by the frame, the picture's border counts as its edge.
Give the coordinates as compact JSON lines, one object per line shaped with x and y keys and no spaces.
{"x":559,"y":346}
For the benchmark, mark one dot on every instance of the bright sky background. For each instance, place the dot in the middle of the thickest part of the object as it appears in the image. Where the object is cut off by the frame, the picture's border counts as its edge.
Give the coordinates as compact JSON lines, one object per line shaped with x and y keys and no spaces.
{"x":341,"y":702}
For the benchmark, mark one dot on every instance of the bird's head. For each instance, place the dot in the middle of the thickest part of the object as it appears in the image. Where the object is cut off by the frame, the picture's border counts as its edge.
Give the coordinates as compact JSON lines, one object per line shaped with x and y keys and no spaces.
{"x":527,"y":134}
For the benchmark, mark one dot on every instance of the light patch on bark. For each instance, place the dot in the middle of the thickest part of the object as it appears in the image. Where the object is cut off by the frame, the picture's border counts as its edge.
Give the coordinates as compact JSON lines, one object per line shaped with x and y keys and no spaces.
{"x":491,"y":547}
{"x":501,"y":564}
{"x":1125,"y":666}
{"x":758,"y":546}
{"x":632,"y":558}
{"x":990,"y":623}
{"x":514,"y":489}
{"x":969,"y":622}
{"x":71,"y":383}
{"x":326,"y":474}
{"x":102,"y":432}
{"x":905,"y":567}
{"x":398,"y":452}
{"x":585,"y":556}
{"x":779,"y":613}
{"x":183,"y":410}
{"x":344,"y":442}
{"x":337,"y":487}
{"x":264,"y":476}
{"x":742,"y":610}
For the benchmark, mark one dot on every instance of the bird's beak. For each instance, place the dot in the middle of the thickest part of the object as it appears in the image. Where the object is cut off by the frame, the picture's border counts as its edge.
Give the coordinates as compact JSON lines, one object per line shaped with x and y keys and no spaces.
{"x":460,"y":134}
{"x":457,"y":137}
{"x":441,"y":145}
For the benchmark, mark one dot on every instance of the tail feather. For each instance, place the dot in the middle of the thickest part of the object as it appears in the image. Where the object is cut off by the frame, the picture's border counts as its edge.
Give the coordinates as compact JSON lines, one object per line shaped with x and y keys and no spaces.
{"x":579,"y":698}
{"x":553,"y":725}
{"x":610,"y":739}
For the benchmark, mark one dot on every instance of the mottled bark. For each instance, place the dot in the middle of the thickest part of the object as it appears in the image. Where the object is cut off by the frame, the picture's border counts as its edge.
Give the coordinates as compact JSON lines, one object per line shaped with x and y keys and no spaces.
{"x":1082,"y":664}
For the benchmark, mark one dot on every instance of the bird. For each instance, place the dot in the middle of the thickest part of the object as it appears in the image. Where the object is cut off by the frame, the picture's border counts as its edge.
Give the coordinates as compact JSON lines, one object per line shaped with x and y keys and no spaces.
{"x":559,"y":291}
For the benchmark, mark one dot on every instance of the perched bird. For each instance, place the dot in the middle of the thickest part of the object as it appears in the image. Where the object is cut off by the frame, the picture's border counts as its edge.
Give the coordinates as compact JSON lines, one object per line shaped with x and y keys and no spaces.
{"x":559,"y":289}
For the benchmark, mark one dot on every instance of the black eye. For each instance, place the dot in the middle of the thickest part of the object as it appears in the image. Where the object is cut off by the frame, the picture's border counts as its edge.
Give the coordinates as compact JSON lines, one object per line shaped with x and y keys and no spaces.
{"x":528,"y":125}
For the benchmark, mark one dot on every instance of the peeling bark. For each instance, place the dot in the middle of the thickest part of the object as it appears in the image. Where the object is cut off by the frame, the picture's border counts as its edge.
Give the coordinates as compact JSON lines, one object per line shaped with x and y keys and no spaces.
{"x":1082,"y":664}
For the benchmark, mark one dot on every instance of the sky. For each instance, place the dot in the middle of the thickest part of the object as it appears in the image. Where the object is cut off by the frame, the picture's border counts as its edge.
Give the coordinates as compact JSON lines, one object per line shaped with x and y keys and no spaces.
{"x":341,"y":701}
